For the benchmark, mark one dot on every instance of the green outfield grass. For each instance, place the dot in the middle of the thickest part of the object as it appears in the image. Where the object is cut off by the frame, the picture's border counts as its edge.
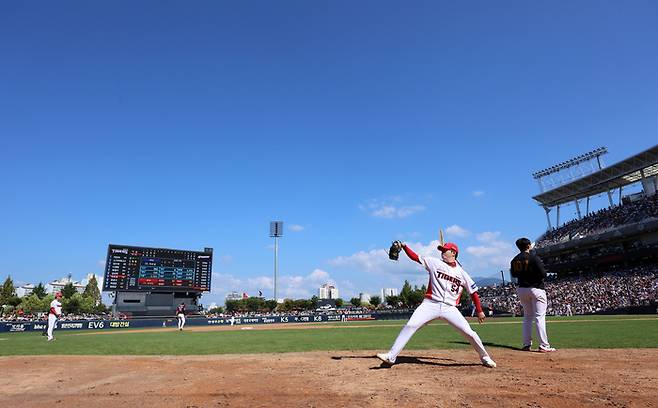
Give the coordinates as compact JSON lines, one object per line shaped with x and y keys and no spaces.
{"x":574,"y":332}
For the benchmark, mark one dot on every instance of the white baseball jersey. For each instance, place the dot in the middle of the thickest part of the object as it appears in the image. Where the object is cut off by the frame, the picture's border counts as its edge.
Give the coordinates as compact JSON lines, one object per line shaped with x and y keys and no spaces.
{"x":56,"y":306}
{"x":446,"y":282}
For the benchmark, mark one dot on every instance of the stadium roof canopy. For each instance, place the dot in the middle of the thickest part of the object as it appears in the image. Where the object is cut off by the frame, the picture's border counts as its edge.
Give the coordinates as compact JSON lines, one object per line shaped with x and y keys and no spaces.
{"x":626,"y":172}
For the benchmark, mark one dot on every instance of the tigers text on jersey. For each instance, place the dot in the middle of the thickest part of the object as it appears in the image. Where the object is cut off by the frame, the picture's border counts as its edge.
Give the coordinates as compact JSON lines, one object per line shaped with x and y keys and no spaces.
{"x":446,"y":282}
{"x":56,"y":307}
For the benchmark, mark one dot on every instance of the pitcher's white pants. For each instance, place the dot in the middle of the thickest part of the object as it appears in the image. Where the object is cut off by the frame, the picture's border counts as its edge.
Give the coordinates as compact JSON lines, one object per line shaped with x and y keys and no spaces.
{"x":181,"y":321}
{"x":428,"y":311}
{"x":52,"y":319}
{"x":534,"y":305}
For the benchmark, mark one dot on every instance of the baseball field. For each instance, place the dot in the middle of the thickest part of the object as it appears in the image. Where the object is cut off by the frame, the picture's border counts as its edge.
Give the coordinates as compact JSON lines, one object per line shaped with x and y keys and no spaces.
{"x":602,"y":361}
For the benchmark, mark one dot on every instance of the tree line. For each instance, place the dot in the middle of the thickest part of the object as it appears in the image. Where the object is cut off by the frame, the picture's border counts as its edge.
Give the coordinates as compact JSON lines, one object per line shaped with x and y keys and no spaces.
{"x":409,"y":297}
{"x":88,"y":302}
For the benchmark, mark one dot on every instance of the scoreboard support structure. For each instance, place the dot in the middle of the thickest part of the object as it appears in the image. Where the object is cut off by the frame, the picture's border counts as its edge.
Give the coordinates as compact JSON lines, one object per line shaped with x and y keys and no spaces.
{"x":154,"y":281}
{"x":153,"y":303}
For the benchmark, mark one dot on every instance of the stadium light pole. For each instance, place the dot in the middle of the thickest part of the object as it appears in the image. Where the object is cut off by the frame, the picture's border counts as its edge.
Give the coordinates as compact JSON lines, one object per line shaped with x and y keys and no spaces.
{"x":276,"y":231}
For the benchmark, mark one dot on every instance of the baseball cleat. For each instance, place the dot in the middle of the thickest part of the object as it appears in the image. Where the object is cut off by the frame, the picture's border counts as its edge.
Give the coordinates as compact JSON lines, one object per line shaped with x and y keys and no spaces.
{"x":385,"y":359}
{"x":525,"y":348}
{"x":547,"y":349}
{"x":488,"y":362}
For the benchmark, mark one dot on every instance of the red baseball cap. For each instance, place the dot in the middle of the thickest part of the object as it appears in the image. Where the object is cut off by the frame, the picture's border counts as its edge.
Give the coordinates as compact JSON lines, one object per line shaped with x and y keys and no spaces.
{"x":447,"y":247}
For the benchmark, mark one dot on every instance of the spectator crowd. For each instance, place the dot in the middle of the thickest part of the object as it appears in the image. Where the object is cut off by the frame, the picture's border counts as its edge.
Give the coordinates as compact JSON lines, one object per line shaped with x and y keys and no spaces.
{"x":585,"y":293}
{"x":602,"y":220}
{"x":30,"y":317}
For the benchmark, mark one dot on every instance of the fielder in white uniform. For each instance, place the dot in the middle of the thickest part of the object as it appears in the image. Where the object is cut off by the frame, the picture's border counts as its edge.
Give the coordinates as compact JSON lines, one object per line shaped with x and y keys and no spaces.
{"x":447,"y":280}
{"x":54,"y":314}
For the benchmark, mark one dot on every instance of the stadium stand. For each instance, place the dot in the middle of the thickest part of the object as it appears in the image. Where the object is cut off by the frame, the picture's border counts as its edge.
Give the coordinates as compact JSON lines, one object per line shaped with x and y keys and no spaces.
{"x":604,"y":261}
{"x":602,"y":221}
{"x":586,"y":293}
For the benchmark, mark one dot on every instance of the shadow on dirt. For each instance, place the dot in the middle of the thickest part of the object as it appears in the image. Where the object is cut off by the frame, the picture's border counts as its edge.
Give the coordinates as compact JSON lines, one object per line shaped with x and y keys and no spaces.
{"x":489,"y":344}
{"x":433,"y":361}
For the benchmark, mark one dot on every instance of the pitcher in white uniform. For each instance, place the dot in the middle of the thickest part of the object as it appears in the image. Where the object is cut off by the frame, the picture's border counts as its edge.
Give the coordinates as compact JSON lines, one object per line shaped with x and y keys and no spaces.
{"x":447,"y":280}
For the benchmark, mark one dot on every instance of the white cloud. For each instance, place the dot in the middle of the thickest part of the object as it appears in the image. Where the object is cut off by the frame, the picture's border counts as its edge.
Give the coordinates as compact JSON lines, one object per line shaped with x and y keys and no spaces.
{"x":481,"y":251}
{"x":390,"y":208}
{"x":288,"y":286}
{"x":225,"y":282}
{"x":296,"y":228}
{"x":319,"y":275}
{"x":346,"y":287}
{"x":478,"y":193}
{"x":457,"y":231}
{"x":485,"y":255}
{"x":491,"y":255}
{"x":406,"y":211}
{"x":494,"y":254}
{"x":488,"y":236}
{"x":261,"y":282}
{"x":376,"y":261}
{"x":386,"y":211}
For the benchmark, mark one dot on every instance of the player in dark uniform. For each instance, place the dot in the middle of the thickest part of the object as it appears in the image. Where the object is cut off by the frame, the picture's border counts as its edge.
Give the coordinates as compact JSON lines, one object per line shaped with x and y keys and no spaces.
{"x":180,"y":315}
{"x":529,"y":270}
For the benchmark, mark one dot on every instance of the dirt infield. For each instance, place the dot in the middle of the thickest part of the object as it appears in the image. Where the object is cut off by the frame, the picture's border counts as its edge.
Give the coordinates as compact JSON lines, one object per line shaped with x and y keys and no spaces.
{"x":436,"y":378}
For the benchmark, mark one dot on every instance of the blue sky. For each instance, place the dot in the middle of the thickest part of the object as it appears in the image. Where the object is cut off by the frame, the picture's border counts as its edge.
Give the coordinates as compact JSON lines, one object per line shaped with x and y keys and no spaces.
{"x":180,"y":125}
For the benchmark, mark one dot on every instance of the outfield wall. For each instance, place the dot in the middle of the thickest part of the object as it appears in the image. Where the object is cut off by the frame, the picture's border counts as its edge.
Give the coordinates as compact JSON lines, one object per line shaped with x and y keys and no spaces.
{"x":191,"y":321}
{"x":223,"y":321}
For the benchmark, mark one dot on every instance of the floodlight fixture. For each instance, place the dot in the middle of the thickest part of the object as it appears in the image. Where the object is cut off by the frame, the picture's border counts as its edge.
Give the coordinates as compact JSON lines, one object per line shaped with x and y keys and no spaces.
{"x":276,"y":231}
{"x":594,"y":154}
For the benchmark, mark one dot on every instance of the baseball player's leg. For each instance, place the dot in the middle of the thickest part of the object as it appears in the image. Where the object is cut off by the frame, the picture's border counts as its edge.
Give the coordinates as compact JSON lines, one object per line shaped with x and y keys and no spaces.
{"x":51,"y":325}
{"x":540,"y":304}
{"x":527,"y":301}
{"x":456,"y":320}
{"x":182,"y":324}
{"x":426,"y":312}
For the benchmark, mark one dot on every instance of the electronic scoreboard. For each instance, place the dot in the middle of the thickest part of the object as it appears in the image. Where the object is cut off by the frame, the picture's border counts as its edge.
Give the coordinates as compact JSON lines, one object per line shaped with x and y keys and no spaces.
{"x":130,"y":268}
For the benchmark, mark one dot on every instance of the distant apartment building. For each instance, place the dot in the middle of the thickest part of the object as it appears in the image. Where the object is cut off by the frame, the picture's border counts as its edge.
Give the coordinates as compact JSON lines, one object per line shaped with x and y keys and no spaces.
{"x":233,"y":296}
{"x":364,"y":297}
{"x":25,"y":290}
{"x":328,"y":291}
{"x":388,"y":292}
{"x":58,"y":284}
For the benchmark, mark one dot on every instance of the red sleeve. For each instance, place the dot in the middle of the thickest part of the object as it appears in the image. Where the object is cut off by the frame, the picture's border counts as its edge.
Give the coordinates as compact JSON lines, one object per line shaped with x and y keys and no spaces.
{"x":476,"y":301}
{"x":411,"y":254}
{"x":52,"y":310}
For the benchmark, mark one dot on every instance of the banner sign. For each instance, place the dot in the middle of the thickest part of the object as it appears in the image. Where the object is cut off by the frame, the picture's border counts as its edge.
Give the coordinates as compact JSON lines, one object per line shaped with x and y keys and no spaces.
{"x":191,"y":321}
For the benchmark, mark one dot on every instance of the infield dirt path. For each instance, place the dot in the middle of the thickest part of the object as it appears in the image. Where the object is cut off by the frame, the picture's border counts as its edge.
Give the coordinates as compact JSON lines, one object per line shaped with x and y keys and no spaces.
{"x":435,"y":378}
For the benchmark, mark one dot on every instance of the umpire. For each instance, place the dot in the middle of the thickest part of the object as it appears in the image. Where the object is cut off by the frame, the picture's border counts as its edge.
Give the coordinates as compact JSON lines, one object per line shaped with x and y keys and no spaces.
{"x":530,"y":272}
